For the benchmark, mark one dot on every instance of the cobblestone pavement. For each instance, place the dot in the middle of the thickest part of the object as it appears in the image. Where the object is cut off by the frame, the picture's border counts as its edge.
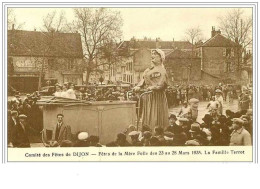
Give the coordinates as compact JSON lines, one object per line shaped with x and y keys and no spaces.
{"x":233,"y":106}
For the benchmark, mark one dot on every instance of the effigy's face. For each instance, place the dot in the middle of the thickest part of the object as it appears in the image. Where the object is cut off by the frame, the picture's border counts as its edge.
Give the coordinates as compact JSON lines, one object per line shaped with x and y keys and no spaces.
{"x":156,"y":58}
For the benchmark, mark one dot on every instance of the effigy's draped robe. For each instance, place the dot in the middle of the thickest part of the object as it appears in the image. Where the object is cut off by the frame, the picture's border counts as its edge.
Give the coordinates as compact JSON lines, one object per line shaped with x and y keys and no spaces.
{"x":154,"y":105}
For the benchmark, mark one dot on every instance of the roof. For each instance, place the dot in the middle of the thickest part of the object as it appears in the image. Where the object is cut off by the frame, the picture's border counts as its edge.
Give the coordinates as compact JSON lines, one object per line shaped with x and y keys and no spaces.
{"x":52,"y":44}
{"x":136,"y":44}
{"x":179,"y":54}
{"x":219,"y":41}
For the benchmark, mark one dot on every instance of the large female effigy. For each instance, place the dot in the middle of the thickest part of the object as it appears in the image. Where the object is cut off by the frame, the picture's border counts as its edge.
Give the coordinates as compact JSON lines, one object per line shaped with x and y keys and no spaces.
{"x":102,"y":118}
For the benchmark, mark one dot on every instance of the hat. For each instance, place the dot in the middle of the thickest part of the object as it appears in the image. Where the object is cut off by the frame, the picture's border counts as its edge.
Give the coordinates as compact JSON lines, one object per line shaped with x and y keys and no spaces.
{"x":14,"y":112}
{"x":238,"y":120}
{"x":183,"y":119}
{"x":172,"y":116}
{"x":207,"y":117}
{"x":195,"y":127}
{"x":83,"y":136}
{"x":161,"y":53}
{"x":192,"y":143}
{"x":193,"y":100}
{"x":134,"y":133}
{"x":22,"y":116}
{"x":218,"y":91}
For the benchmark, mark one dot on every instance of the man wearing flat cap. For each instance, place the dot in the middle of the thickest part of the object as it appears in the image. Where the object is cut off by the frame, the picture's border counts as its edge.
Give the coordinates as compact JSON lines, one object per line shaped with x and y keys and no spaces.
{"x":20,"y":137}
{"x":61,"y":130}
{"x":240,"y":136}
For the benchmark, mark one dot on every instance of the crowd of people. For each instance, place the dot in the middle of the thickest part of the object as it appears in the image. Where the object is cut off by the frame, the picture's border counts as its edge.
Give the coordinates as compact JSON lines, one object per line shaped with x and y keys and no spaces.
{"x":25,"y":119}
{"x":180,"y":93}
{"x":217,"y":128}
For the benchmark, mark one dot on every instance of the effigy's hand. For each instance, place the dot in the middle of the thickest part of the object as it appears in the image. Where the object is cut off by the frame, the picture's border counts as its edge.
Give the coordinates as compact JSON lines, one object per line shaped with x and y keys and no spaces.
{"x":136,"y":88}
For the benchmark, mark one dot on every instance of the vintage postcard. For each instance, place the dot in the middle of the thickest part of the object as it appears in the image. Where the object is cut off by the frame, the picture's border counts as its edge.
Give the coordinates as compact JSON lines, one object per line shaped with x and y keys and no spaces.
{"x":122,"y":83}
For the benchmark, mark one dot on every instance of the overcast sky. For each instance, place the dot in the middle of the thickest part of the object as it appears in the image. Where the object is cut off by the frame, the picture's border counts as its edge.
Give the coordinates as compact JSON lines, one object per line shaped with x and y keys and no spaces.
{"x":166,"y":23}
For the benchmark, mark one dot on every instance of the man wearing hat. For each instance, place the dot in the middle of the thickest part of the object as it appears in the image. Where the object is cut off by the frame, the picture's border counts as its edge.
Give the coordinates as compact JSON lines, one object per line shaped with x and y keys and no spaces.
{"x":197,"y":135}
{"x":61,"y":130}
{"x":172,"y":123}
{"x":20,"y":133}
{"x":240,"y":136}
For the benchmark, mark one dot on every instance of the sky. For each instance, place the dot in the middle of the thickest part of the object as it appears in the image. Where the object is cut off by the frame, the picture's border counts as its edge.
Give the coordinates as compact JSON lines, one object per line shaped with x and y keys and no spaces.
{"x":166,"y":23}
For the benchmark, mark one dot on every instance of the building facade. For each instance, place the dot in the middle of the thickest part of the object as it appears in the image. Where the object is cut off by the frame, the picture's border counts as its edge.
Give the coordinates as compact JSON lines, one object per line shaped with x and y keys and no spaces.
{"x":51,"y":56}
{"x":182,"y":67}
{"x":221,"y":59}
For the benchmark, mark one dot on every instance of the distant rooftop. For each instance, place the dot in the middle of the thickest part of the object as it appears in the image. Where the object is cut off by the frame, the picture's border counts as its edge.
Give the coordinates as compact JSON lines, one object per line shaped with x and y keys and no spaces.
{"x":51,"y":44}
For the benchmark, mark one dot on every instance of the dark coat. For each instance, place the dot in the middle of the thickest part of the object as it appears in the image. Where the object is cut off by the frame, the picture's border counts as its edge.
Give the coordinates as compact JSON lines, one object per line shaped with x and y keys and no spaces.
{"x":20,"y":136}
{"x":11,"y":125}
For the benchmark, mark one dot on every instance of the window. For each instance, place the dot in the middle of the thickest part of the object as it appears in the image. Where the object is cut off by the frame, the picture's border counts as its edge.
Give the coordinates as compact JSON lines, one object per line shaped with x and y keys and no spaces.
{"x":227,"y":52}
{"x":228,"y":67}
{"x":70,"y":64}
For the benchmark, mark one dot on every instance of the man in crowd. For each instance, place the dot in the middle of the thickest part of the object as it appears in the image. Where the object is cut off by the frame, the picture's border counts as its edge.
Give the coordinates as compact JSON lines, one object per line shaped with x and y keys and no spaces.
{"x":12,"y":122}
{"x":61,"y":131}
{"x":240,"y":136}
{"x":20,"y":133}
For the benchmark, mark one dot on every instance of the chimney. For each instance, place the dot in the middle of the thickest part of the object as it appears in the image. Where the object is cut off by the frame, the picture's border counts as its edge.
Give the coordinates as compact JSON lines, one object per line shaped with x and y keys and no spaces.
{"x":12,"y":26}
{"x":214,"y":32}
{"x":173,"y":44}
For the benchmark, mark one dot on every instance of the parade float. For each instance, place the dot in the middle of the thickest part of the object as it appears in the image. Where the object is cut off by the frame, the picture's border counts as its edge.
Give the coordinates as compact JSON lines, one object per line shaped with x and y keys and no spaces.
{"x":101,"y":118}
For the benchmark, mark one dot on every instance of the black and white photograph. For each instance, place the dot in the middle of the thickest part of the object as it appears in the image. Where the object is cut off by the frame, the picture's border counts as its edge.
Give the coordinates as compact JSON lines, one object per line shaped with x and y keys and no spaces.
{"x":115,"y":78}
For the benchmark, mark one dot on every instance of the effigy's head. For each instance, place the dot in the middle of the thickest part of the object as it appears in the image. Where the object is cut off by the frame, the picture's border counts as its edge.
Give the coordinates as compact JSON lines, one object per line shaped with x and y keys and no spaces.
{"x":158,"y":56}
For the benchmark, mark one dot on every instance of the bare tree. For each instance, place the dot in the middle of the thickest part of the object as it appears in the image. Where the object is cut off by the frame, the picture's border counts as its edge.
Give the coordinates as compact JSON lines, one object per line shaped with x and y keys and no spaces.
{"x":193,"y":34}
{"x":98,"y":28}
{"x":12,"y":21}
{"x":55,"y":22}
{"x":236,"y":26}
